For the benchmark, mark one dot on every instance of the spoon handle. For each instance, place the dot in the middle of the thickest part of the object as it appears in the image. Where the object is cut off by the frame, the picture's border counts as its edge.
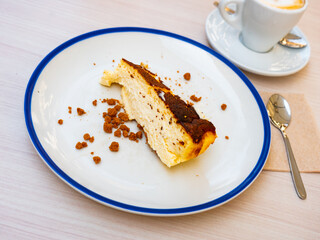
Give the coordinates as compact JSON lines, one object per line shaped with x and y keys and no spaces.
{"x":295,"y":173}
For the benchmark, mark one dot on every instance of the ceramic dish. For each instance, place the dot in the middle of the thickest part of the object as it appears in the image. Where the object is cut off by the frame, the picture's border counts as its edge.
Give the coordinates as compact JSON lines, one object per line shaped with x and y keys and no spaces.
{"x":279,"y":61}
{"x":134,"y":179}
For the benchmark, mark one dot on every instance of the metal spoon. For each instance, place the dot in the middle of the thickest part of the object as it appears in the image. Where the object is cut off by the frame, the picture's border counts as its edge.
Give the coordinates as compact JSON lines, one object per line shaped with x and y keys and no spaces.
{"x":280,"y":115}
{"x":291,"y":40}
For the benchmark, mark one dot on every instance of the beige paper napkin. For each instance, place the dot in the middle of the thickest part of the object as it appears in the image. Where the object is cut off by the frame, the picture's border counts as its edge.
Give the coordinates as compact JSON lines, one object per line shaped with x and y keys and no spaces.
{"x":303,"y":134}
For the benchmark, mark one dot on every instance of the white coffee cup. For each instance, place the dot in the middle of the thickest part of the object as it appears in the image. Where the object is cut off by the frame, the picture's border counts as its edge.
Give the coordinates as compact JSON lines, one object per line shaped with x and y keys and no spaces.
{"x":261,"y":24}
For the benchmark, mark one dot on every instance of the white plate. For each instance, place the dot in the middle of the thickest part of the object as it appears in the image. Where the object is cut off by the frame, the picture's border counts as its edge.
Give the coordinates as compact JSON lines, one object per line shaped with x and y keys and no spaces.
{"x":279,"y":61}
{"x":134,"y":179}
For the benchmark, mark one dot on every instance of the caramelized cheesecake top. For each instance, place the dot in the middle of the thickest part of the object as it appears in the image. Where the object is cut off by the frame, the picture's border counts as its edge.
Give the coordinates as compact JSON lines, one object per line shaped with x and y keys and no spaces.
{"x":184,"y":113}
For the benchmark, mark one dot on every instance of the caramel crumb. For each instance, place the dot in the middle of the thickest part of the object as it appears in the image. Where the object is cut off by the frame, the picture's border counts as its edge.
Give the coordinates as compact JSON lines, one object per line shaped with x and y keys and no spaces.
{"x":113,"y":60}
{"x":117,"y":133}
{"x":96,"y":159}
{"x":69,"y":109}
{"x":181,"y":143}
{"x":112,"y":112}
{"x":123,"y":116}
{"x":94,"y":103}
{"x":107,"y":127}
{"x":79,"y":145}
{"x":223,"y":106}
{"x":187,"y":76}
{"x":117,"y":107}
{"x":124,"y":128}
{"x":114,"y":147}
{"x":139,"y":134}
{"x":110,"y":101}
{"x":86,"y":136}
{"x":125,"y":133}
{"x":132,"y":136}
{"x":116,"y":121}
{"x":195,"y":99}
{"x":92,"y":153}
{"x":94,"y":64}
{"x":178,"y":71}
{"x":60,"y":121}
{"x":91,"y":139}
{"x":80,"y":111}
{"x":226,"y":137}
{"x":107,"y":119}
{"x":104,"y":114}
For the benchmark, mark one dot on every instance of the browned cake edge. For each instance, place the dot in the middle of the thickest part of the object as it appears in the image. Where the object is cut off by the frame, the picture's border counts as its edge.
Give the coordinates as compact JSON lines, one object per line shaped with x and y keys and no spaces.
{"x":185,"y":114}
{"x":147,"y":75}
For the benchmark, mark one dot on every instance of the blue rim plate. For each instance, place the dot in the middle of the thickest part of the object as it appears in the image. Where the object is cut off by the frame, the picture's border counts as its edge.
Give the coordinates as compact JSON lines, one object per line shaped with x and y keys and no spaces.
{"x":131,"y":207}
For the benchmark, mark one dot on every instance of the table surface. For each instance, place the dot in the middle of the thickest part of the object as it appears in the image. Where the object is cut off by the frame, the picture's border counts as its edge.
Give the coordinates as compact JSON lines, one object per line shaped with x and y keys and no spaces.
{"x":35,"y":204}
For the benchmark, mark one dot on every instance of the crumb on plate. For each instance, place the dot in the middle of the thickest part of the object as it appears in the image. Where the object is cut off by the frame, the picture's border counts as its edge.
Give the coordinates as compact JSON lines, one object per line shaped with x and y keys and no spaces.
{"x":107,"y":127}
{"x":139,"y":134}
{"x":125,"y":133}
{"x":86,"y":136}
{"x":117,"y":133}
{"x":114,"y":147}
{"x":81,"y":145}
{"x":107,"y":119}
{"x":123,"y":116}
{"x":80,"y":111}
{"x":112,"y":112}
{"x":187,"y":76}
{"x":223,"y":106}
{"x":195,"y":99}
{"x":96,"y":159}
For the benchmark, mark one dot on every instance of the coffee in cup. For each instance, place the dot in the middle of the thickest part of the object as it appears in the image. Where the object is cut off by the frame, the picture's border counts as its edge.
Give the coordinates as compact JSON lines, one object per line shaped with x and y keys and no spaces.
{"x":285,"y":4}
{"x":262,"y":23}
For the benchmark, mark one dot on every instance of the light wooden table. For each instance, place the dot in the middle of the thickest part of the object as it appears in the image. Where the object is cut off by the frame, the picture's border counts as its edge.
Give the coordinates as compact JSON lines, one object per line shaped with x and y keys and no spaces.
{"x":35,"y":204}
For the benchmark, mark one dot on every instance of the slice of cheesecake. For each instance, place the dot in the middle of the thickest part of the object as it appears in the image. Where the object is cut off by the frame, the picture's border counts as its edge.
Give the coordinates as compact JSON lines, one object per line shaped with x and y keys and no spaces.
{"x":173,"y":128}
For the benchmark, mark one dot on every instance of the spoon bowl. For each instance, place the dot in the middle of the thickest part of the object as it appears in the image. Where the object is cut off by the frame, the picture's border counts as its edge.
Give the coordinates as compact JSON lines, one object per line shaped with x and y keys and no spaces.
{"x":293,"y":41}
{"x":280,"y":116}
{"x":279,"y":111}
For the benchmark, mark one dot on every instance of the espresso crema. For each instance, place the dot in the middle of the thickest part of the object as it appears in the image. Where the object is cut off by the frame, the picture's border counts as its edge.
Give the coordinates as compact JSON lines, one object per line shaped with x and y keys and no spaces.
{"x":285,"y":4}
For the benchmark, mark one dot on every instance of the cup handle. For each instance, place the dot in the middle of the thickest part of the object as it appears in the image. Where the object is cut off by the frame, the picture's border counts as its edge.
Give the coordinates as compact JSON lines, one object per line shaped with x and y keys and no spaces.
{"x":233,"y":19}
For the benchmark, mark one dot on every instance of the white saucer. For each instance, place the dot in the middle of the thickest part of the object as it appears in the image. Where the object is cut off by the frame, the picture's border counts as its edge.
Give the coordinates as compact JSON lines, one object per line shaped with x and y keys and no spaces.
{"x":280,"y":61}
